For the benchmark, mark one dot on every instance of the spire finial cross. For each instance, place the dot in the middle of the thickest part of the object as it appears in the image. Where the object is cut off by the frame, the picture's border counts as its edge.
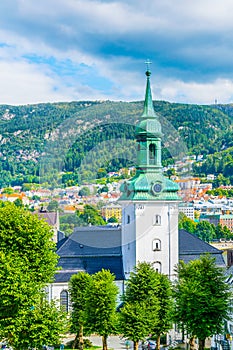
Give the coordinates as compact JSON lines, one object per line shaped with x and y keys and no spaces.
{"x":148,"y":62}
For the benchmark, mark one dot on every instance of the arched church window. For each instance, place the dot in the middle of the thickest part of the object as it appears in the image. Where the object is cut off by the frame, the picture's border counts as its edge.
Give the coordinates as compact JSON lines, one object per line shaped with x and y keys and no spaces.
{"x":156,"y":244}
{"x":157,"y":220}
{"x":158,"y":266}
{"x":152,"y":154}
{"x":64,"y":300}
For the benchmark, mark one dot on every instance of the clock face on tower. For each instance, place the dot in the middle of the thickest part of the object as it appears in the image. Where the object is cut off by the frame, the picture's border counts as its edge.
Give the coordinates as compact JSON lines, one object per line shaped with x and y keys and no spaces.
{"x":156,"y":188}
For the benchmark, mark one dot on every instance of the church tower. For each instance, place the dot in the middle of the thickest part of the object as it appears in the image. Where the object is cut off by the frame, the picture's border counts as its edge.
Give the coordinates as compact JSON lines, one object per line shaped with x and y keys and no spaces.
{"x":149,"y":201}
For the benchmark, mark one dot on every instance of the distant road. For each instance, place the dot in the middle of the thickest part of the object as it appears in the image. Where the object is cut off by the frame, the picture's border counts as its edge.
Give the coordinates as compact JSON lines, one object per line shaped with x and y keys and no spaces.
{"x":114,"y":342}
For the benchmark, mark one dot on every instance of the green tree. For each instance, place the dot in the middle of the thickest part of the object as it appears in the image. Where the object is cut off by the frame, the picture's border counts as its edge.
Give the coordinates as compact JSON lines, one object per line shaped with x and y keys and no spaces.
{"x":205,"y":231}
{"x":28,"y":263}
{"x":163,"y":293}
{"x":77,"y":287}
{"x":52,"y":206}
{"x":186,"y":223}
{"x":8,"y":190}
{"x":90,"y":216}
{"x":202,"y":298}
{"x":112,"y":219}
{"x":146,"y":290}
{"x":222,"y":232}
{"x":85,"y":191}
{"x":42,"y":323}
{"x":171,"y":172}
{"x":134,"y":321}
{"x":18,"y":202}
{"x":101,"y":302}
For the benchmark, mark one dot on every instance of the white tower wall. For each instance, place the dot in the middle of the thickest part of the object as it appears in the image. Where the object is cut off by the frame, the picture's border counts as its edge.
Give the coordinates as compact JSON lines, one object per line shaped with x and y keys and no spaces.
{"x":150,"y":234}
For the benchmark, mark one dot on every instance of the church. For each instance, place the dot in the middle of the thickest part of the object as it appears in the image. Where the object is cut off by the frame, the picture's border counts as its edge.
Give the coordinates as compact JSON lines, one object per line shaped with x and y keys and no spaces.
{"x":149,"y":230}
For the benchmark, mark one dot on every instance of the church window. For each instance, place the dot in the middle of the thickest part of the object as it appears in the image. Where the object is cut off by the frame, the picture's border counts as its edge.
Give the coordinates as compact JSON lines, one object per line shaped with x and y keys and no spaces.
{"x":157,"y":220}
{"x":156,"y":244}
{"x":152,"y":154}
{"x":158,"y":266}
{"x":64,"y":300}
{"x":128,"y":219}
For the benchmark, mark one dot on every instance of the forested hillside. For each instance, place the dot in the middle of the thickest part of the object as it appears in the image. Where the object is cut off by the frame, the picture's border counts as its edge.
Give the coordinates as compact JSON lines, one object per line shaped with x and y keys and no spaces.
{"x":41,"y":143}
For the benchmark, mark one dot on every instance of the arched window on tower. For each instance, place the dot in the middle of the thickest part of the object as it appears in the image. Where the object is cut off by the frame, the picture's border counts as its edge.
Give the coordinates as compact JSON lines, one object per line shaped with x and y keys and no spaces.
{"x":64,"y":300}
{"x":152,"y":154}
{"x":158,"y":266}
{"x":156,"y":244}
{"x":157,"y":220}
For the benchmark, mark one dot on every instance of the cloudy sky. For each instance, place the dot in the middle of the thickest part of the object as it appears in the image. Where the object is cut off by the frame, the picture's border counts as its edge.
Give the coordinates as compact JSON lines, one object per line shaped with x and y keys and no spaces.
{"x":65,"y":50}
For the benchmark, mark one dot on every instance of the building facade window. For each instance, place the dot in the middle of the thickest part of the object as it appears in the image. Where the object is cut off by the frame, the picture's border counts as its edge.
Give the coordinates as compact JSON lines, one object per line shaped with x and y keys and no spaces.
{"x":158,"y":266}
{"x":64,"y":300}
{"x":157,"y":220}
{"x":128,"y":219}
{"x":156,"y":244}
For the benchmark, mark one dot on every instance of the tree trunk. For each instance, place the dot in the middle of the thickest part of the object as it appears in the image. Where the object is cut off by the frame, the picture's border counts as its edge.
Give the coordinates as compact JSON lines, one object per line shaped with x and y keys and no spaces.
{"x":201,"y":344}
{"x":75,"y":342}
{"x":80,"y":338}
{"x":158,"y":342}
{"x":192,"y":343}
{"x":104,"y":341}
{"x":135,"y":345}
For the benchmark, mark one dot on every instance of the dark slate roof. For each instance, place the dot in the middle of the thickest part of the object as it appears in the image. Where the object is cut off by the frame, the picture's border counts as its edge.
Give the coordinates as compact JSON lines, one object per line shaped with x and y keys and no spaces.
{"x":92,"y":240}
{"x":191,"y":248}
{"x":90,"y":249}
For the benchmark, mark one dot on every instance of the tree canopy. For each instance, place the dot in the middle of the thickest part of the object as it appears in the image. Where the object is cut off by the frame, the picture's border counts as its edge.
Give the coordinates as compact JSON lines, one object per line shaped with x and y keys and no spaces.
{"x":202,"y":298}
{"x":101,"y":302}
{"x":147,"y":305}
{"x":28,"y":263}
{"x":78,"y":286}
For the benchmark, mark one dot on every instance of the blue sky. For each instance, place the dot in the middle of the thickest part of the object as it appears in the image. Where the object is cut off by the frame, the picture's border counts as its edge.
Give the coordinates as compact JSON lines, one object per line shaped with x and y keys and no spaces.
{"x":66,"y":50}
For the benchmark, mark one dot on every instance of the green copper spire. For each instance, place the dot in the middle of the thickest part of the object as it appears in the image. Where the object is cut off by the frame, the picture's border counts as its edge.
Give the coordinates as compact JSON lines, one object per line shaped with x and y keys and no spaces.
{"x":148,"y":103}
{"x":149,"y":183}
{"x":148,"y":135}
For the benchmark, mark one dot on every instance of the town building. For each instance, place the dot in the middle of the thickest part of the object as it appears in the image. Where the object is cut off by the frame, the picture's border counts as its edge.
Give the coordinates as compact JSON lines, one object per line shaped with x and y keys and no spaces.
{"x":187,"y":209}
{"x":112,"y":211}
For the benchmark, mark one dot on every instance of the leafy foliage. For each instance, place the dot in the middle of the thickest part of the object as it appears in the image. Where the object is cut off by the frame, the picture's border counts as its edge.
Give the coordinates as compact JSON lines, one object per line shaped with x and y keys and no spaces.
{"x":202,"y":298}
{"x":90,"y":215}
{"x":147,"y":304}
{"x":204,"y":229}
{"x":78,"y":286}
{"x":101,"y":298}
{"x":28,"y":262}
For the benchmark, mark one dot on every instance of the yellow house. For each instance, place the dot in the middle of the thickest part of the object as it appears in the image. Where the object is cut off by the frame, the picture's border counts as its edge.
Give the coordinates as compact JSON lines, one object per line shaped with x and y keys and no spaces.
{"x":113,"y":210}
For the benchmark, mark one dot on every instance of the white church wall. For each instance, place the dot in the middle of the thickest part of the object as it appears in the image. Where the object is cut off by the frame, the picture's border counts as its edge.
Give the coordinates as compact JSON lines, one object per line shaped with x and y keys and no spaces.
{"x":151,"y":235}
{"x":157,"y":236}
{"x":54,"y":291}
{"x":128,"y":237}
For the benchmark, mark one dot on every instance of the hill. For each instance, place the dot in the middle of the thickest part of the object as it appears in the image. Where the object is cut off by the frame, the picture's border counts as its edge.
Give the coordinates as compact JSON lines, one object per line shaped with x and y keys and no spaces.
{"x":41,"y":141}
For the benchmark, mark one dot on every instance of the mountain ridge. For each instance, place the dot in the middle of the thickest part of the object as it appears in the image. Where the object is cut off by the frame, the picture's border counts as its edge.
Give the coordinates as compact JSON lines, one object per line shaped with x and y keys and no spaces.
{"x":68,"y":131}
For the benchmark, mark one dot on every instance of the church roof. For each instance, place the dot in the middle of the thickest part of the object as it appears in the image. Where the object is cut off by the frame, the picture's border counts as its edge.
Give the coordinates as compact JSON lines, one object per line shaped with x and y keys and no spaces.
{"x":191,"y":248}
{"x":90,"y":249}
{"x":94,"y":248}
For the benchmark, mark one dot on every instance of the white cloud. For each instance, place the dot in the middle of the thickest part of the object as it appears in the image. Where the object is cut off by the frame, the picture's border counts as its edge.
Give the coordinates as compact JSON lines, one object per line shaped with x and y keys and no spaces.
{"x":220,"y":90}
{"x":189,"y":43}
